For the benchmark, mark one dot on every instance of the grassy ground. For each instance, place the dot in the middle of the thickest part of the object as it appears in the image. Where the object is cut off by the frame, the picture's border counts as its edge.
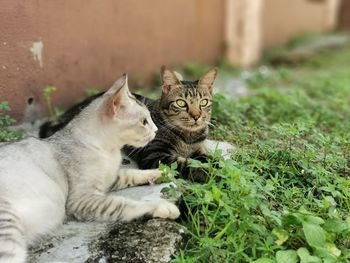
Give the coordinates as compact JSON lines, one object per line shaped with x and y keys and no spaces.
{"x":284,"y":195}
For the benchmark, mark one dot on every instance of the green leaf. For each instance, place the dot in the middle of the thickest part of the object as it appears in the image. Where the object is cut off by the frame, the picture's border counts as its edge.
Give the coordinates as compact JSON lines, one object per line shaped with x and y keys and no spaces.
{"x":314,"y":234}
{"x":196,"y":163}
{"x":325,"y":254}
{"x":282,"y":236}
{"x":286,"y":256}
{"x":313,"y":220}
{"x":48,"y":90}
{"x":4,"y":105}
{"x":335,"y":225}
{"x":264,"y":260}
{"x":347,"y":222}
{"x":333,"y":249}
{"x":58,"y":112}
{"x":91,"y":91}
{"x":216,"y":193}
{"x":291,"y":220}
{"x":305,"y":256}
{"x":208,"y":197}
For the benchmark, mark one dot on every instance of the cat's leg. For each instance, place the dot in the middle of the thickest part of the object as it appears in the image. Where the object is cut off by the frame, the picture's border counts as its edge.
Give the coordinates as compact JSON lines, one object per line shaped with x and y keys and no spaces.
{"x":193,"y":174}
{"x":201,"y":154}
{"x":133,"y":177}
{"x":110,"y":208}
{"x":12,"y":241}
{"x":199,"y":174}
{"x":157,"y":152}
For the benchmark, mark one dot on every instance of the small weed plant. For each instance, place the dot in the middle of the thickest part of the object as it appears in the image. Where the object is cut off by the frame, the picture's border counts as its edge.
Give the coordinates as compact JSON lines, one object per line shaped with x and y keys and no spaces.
{"x":5,"y":121}
{"x":54,"y":111}
{"x":283,"y":196}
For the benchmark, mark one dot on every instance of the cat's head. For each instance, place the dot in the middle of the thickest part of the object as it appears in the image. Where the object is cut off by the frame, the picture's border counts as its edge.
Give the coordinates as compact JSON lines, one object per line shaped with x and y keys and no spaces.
{"x":187,"y":104}
{"x":124,"y":118}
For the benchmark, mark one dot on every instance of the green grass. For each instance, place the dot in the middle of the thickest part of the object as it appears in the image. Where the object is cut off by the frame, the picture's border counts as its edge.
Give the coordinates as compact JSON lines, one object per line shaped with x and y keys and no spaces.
{"x":6,"y":120}
{"x":284,"y":195}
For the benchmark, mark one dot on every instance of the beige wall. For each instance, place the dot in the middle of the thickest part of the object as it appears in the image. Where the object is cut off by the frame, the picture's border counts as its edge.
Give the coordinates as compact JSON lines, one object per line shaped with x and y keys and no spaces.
{"x":283,"y":19}
{"x":89,"y":43}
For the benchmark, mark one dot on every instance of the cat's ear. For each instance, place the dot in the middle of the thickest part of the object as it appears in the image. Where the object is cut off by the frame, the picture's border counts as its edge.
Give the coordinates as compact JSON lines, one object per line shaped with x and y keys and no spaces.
{"x":117,"y":96}
{"x":178,"y":76}
{"x":118,"y":84}
{"x":209,"y":78}
{"x":169,"y":79}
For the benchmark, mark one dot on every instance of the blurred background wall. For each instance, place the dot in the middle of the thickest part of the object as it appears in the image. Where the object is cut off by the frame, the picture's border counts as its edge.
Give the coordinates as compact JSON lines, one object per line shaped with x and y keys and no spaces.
{"x":345,"y":15}
{"x":283,"y":19}
{"x":80,"y":44}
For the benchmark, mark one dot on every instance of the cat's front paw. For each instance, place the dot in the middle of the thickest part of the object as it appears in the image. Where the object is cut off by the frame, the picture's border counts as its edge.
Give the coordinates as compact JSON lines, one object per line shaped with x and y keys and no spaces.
{"x":153,"y":175}
{"x":166,"y":209}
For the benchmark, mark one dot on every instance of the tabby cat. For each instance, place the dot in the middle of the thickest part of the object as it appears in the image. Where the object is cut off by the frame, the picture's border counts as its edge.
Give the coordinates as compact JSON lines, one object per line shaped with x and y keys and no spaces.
{"x":73,"y":171}
{"x":182,"y":115}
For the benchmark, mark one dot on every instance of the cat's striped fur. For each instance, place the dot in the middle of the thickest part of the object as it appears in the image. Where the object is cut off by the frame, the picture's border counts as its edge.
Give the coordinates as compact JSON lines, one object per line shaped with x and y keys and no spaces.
{"x":181,"y":130}
{"x":73,"y":172}
{"x":12,"y":239}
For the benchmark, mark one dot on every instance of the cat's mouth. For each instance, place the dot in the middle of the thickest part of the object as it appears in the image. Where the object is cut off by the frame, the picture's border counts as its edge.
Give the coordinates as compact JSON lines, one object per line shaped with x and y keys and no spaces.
{"x":194,"y":126}
{"x":190,"y":125}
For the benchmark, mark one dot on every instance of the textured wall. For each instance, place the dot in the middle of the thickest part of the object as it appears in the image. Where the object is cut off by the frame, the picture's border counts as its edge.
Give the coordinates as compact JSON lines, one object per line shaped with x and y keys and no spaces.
{"x":283,"y":19}
{"x":79,"y":44}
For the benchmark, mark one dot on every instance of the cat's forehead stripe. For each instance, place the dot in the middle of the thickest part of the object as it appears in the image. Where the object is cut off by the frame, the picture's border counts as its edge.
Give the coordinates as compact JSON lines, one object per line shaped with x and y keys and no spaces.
{"x":193,"y":92}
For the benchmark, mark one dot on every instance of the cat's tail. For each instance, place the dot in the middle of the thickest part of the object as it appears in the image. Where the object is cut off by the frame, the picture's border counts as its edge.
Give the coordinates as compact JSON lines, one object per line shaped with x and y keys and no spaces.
{"x":12,"y":242}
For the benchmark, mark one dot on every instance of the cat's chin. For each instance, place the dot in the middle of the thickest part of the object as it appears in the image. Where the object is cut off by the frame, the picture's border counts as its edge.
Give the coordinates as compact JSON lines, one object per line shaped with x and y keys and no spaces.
{"x":194,"y":128}
{"x":142,"y":142}
{"x":190,"y":127}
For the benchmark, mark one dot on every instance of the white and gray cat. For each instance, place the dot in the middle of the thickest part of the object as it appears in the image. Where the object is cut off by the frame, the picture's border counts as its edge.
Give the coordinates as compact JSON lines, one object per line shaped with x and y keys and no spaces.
{"x":73,"y":171}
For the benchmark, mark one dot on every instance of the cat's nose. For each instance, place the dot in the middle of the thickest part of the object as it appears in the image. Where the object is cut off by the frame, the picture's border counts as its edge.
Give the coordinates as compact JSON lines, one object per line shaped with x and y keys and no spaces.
{"x":196,"y":116}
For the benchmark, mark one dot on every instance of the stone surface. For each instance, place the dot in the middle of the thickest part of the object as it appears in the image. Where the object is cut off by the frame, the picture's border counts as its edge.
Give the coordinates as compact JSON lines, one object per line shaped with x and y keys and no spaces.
{"x":152,"y":241}
{"x":233,"y":87}
{"x":155,"y":240}
{"x":70,"y":243}
{"x":312,"y":47}
{"x":225,"y":147}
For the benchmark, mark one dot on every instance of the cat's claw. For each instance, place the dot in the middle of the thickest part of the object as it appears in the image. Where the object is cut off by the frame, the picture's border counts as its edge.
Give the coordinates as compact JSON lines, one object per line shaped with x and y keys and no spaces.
{"x":151,"y":181}
{"x":166,"y":210}
{"x":154,"y":175}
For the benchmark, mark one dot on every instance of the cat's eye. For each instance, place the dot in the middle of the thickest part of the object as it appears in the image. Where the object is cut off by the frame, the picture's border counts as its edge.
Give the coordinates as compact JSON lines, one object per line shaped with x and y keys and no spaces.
{"x":181,"y":103}
{"x":204,"y":102}
{"x":144,"y":122}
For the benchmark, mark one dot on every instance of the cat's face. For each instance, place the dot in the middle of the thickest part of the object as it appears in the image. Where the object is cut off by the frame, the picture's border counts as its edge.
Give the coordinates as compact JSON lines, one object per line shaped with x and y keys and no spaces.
{"x":187,"y":104}
{"x":127,"y":118}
